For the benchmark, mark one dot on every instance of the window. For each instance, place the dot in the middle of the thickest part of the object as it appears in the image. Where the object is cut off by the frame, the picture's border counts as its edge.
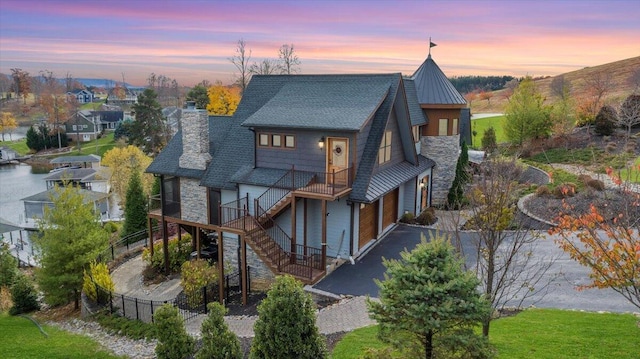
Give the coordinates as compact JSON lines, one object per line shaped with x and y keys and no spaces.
{"x":384,"y":153}
{"x":263,"y":139}
{"x":276,"y":140}
{"x":289,"y":141}
{"x":416,"y":133}
{"x":74,"y":127}
{"x":85,"y":126}
{"x":454,"y":130}
{"x":442,"y":129}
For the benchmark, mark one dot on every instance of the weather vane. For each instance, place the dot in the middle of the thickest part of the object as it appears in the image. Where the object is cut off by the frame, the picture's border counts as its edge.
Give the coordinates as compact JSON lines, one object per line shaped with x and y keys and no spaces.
{"x":431,"y":44}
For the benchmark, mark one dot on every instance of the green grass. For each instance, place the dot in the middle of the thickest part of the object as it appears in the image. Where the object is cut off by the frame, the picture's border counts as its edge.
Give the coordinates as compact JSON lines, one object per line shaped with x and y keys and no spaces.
{"x":540,"y":334}
{"x":633,"y":174}
{"x":20,"y":146}
{"x":482,"y":124}
{"x":21,"y":338}
{"x":98,"y":147}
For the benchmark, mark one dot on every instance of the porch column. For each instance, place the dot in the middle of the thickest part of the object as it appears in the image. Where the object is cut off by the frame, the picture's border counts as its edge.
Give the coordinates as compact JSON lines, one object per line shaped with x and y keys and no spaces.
{"x":324,"y":234}
{"x":165,"y":245}
{"x":197,"y":242}
{"x":220,"y":268}
{"x":150,"y":228}
{"x":293,"y":227}
{"x":243,"y":271}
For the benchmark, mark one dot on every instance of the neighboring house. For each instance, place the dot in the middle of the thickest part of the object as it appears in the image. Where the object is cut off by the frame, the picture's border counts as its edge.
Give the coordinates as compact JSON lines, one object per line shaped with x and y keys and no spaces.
{"x":172,"y":114}
{"x":82,"y":96}
{"x":83,"y":126}
{"x":108,"y":120}
{"x":34,"y":206}
{"x":310,"y":168}
{"x":81,"y":171}
{"x":7,"y":154}
{"x":122,"y":96}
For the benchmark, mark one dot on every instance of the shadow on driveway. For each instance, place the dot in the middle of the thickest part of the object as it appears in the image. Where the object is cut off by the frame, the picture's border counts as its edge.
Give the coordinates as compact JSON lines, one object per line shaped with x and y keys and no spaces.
{"x":358,"y":279}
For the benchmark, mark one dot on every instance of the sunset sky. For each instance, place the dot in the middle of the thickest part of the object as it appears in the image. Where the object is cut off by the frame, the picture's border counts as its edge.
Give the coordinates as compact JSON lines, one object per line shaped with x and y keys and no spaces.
{"x":193,"y":40}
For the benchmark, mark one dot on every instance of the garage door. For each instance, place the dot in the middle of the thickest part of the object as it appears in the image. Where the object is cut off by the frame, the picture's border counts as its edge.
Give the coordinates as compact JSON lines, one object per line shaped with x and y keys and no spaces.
{"x":368,"y":223}
{"x":390,"y":208}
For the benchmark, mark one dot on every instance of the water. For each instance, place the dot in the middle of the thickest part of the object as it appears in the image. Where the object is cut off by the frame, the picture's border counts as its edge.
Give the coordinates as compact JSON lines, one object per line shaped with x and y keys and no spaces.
{"x":17,"y":182}
{"x":19,"y":133}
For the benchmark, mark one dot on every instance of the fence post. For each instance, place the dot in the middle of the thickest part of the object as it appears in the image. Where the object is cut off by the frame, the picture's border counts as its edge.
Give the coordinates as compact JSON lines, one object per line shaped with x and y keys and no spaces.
{"x":226,"y":289}
{"x":151,"y":301}
{"x":124,"y":313}
{"x":113,"y":256}
{"x":110,"y":302}
{"x":137,"y":313}
{"x":248,"y":279}
{"x":204,"y":297}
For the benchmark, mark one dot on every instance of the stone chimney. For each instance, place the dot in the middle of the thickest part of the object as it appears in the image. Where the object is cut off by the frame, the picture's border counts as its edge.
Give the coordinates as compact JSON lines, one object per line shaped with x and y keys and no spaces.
{"x":195,"y":138}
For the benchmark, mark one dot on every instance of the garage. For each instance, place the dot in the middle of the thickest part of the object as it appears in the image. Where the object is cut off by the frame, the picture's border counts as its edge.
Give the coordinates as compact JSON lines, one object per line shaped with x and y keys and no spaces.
{"x":368,"y":223}
{"x":390,"y":208}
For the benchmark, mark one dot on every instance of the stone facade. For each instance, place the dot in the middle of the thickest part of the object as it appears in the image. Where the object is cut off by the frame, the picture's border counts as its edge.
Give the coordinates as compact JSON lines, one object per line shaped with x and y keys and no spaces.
{"x":195,"y":139}
{"x":261,"y":275}
{"x":193,"y":200}
{"x":444,"y":150}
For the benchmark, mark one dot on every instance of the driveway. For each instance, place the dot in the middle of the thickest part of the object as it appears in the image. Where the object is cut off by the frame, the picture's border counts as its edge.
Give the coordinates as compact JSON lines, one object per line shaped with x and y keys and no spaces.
{"x":564,"y":274}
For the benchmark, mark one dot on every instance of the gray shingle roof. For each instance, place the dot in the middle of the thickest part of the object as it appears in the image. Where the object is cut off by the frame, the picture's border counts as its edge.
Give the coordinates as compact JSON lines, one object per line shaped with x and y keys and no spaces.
{"x":46,"y":196}
{"x":433,"y":87}
{"x":416,"y":113}
{"x":74,"y":174}
{"x":390,"y":178}
{"x":76,"y":159}
{"x":328,"y":102}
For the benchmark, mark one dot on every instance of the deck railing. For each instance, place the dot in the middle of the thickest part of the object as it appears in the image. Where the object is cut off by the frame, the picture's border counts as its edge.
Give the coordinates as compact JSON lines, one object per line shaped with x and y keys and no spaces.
{"x":234,"y":214}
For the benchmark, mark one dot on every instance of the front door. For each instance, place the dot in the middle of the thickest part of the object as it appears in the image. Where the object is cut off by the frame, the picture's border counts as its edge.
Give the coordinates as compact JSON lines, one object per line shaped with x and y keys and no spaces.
{"x":338,"y":160}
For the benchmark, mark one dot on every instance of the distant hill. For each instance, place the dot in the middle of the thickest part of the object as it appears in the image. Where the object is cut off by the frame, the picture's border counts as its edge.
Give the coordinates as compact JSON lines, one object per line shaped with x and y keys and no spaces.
{"x":619,"y":71}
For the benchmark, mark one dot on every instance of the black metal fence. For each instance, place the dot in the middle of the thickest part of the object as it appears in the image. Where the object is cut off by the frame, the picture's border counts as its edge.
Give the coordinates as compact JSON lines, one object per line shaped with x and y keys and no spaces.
{"x":124,"y":245}
{"x":189,"y":305}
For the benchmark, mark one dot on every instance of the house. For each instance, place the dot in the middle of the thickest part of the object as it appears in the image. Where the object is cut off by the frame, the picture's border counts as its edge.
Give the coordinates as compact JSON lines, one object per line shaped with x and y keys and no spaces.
{"x":7,"y":155}
{"x":82,"y":96}
{"x":83,"y":126}
{"x":108,"y":120}
{"x":310,"y":168}
{"x":34,"y":206}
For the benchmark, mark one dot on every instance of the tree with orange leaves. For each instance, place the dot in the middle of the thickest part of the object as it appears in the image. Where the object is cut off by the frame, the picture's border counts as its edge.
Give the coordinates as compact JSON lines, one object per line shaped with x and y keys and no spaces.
{"x":608,"y":242}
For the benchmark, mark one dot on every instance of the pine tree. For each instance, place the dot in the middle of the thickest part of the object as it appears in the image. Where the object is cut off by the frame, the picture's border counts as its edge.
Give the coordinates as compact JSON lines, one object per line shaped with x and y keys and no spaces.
{"x":70,"y":238}
{"x":489,"y":141}
{"x":135,"y":210}
{"x":218,"y":342}
{"x":149,"y":131}
{"x":456,"y":192}
{"x":429,"y":304}
{"x":286,"y":327}
{"x":527,"y":116}
{"x":173,"y":340}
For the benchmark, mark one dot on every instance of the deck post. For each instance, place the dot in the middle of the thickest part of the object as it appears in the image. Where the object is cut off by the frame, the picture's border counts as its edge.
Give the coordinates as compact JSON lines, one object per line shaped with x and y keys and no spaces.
{"x":324,"y":234}
{"x":150,"y":228}
{"x":220,"y":268}
{"x":197,"y":241}
{"x":293,"y":228}
{"x":243,"y":270}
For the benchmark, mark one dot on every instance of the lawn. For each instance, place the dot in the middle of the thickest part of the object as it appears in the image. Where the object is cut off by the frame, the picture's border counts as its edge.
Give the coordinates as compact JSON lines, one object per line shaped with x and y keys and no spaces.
{"x":98,"y":147}
{"x":632,"y":175}
{"x":538,"y":333}
{"x":482,"y":124}
{"x":21,"y":338}
{"x":20,"y":146}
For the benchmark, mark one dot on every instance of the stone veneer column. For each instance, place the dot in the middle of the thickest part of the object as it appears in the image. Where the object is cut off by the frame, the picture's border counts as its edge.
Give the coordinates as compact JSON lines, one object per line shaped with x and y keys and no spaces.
{"x":193,"y":201}
{"x":444,"y":150}
{"x":195,"y":139}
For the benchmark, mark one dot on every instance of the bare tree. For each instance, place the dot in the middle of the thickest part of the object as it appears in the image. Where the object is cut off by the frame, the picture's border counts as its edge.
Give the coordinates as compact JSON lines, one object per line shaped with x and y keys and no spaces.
{"x":289,"y":61}
{"x":264,"y":67}
{"x":22,"y":83}
{"x":5,"y":85}
{"x":508,"y":270}
{"x":560,"y":87}
{"x":54,"y":102}
{"x":598,"y":86}
{"x":241,"y":61}
{"x":629,"y":114}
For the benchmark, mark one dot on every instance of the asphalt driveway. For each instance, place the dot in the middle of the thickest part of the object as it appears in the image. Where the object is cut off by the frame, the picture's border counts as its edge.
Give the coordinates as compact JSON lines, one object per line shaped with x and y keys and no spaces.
{"x":564,"y":274}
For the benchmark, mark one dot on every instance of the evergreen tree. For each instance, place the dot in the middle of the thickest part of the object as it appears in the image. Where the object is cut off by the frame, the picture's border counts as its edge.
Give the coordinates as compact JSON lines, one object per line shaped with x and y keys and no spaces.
{"x":34,"y":140}
{"x":526,"y":115}
{"x":489,"y":141}
{"x":123,"y":129}
{"x":149,"y":130}
{"x":429,"y":304}
{"x":173,"y":340}
{"x":455,"y":197}
{"x":218,"y":342}
{"x":8,"y":266}
{"x":24,"y":296}
{"x":199,"y":95}
{"x":605,"y":121}
{"x":70,"y":238}
{"x":135,"y":209}
{"x":286,"y":327}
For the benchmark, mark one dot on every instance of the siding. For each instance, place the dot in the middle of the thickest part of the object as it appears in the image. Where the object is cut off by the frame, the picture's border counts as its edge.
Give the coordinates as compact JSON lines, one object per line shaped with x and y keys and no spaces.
{"x":397,"y":152}
{"x":434,"y":115}
{"x":306,"y":156}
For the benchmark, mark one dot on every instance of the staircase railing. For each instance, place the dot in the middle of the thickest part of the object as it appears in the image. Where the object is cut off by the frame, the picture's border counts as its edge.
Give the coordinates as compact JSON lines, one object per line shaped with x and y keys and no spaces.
{"x":234,"y":214}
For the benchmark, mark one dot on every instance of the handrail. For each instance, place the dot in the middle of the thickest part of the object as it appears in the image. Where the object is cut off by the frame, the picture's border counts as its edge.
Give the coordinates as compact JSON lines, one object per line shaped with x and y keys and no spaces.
{"x":233,"y":214}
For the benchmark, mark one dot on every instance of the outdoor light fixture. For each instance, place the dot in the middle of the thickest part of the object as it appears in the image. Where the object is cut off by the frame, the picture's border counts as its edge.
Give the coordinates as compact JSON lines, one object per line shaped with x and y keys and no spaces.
{"x":321,"y":142}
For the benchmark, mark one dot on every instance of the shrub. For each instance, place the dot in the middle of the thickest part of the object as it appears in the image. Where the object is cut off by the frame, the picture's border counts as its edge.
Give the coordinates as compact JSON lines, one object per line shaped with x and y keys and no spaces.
{"x":196,"y":274}
{"x":565,"y":190}
{"x":605,"y":121}
{"x":24,"y":296}
{"x":218,"y":342}
{"x":134,"y":329}
{"x":8,"y":266}
{"x":173,"y":340}
{"x":98,"y":275}
{"x":111,"y":227}
{"x":179,"y":251}
{"x":542,"y":191}
{"x":489,"y":142}
{"x":610,"y":147}
{"x":407,"y":217}
{"x":286,"y":326}
{"x":584,"y":178}
{"x":427,"y":217}
{"x":595,"y":184}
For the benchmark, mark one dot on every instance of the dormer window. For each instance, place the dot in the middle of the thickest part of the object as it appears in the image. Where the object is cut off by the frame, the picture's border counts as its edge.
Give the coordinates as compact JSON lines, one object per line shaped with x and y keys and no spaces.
{"x":384,"y":153}
{"x":276,"y":140}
